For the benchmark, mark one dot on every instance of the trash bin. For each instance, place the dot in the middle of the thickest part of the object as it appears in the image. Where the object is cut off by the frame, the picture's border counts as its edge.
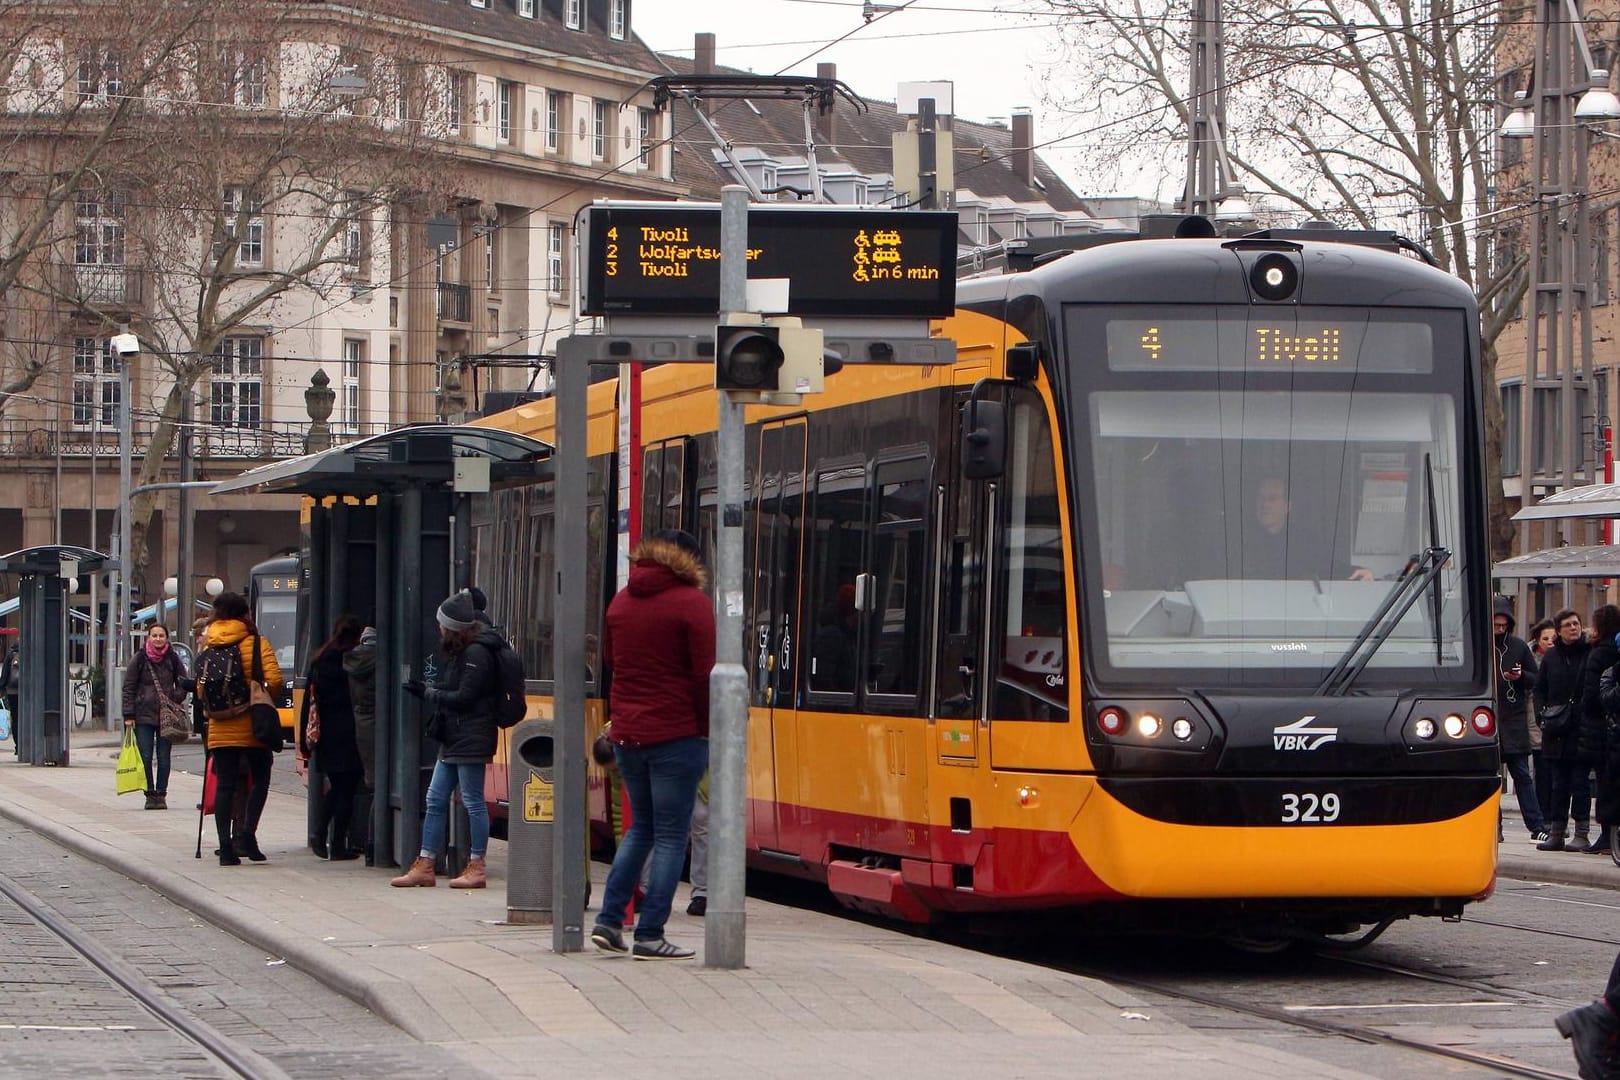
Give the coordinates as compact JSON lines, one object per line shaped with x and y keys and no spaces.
{"x":531,"y":781}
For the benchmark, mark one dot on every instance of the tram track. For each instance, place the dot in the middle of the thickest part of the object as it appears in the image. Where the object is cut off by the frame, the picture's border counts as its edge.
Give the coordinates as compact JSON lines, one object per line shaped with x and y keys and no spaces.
{"x":233,"y":1058}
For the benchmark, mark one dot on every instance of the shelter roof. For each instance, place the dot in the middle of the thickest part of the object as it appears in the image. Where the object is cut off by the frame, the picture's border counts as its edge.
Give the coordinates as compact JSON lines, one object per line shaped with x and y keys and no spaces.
{"x":48,"y":559}
{"x":407,"y":457}
{"x":1586,"y":501}
{"x":1595,"y":561}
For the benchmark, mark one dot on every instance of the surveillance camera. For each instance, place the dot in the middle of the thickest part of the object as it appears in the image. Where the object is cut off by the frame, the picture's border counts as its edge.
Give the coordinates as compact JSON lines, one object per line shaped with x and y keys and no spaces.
{"x":126,"y":344}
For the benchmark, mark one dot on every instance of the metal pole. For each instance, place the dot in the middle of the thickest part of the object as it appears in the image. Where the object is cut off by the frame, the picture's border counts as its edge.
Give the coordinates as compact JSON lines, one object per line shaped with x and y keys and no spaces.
{"x":725,"y":924}
{"x":569,"y":844}
{"x":184,"y":569}
{"x":121,"y":591}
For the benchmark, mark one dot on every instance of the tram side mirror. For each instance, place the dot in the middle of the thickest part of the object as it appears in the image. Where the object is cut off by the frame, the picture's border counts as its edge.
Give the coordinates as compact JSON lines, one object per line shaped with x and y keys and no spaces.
{"x":984,"y":439}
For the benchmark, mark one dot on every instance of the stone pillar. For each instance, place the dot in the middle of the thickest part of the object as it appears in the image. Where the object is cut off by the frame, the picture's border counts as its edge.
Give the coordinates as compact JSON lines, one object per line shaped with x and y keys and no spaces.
{"x":318,"y":398}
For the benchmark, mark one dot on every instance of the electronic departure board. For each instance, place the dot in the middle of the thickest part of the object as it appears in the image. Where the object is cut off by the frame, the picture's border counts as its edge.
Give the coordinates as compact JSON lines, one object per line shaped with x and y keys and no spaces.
{"x":664,"y":259}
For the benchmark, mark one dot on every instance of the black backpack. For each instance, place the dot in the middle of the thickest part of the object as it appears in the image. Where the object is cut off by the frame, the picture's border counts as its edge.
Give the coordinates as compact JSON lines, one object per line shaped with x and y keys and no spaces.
{"x":222,"y":685}
{"x":511,"y":704}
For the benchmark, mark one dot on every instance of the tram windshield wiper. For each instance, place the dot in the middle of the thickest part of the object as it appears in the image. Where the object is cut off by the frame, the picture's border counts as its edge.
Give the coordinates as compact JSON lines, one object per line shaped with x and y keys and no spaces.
{"x":1420,"y":573}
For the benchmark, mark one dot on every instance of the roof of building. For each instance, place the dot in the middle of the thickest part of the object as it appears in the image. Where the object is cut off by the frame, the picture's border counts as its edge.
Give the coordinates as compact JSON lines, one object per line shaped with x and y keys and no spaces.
{"x":546,"y":31}
{"x":984,"y":158}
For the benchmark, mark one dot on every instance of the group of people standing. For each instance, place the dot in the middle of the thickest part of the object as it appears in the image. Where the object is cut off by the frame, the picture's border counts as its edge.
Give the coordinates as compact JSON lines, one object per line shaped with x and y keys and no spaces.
{"x":1556,"y":693}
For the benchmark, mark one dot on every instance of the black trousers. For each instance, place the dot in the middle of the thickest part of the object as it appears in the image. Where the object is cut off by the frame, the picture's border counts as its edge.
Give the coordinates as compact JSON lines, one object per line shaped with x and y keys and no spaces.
{"x":1571,"y":793}
{"x":339,"y":808}
{"x":229,"y":764}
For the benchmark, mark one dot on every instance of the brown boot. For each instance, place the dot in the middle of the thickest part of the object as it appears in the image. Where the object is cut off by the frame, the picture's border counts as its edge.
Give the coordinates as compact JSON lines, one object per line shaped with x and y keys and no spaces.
{"x":472,"y":877}
{"x":420,"y":874}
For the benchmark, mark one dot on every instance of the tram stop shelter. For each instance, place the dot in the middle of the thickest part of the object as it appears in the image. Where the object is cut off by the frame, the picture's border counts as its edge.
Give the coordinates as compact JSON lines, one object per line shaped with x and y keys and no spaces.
{"x":46,"y":576}
{"x":1582,"y":561}
{"x":388,"y":536}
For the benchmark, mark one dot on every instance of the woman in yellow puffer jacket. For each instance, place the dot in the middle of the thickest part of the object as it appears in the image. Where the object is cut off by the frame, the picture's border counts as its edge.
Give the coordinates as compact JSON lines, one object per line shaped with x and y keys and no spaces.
{"x":230,"y":739}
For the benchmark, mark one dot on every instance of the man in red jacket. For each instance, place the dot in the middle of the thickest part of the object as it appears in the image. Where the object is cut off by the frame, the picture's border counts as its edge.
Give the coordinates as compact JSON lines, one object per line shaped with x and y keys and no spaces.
{"x":658,"y":649}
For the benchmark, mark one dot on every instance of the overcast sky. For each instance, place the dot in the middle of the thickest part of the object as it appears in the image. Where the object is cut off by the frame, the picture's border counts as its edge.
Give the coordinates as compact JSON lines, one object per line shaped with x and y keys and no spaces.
{"x":998,"y":60}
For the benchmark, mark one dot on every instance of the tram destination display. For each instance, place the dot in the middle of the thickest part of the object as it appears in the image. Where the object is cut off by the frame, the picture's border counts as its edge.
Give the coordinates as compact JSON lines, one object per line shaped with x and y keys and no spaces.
{"x":665,"y":260}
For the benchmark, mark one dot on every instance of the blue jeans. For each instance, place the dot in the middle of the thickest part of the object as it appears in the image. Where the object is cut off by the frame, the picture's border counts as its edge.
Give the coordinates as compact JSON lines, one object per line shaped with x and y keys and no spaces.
{"x":145,"y":737}
{"x":447,"y":778}
{"x":661,"y":782}
{"x":1524,"y":788}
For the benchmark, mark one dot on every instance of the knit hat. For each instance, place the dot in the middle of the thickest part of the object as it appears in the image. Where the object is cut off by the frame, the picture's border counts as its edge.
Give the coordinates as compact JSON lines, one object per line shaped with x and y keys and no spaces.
{"x":458,"y":613}
{"x":681,"y":539}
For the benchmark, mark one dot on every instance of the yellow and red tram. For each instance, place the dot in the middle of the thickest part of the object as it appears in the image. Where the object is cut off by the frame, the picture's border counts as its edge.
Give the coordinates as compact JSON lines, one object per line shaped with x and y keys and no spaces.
{"x":1202,"y":637}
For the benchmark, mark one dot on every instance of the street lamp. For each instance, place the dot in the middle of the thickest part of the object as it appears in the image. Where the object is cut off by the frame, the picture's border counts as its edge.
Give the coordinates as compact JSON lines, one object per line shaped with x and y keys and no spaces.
{"x":171,"y":591}
{"x":1521,"y":122}
{"x":128,"y":347}
{"x":1598,"y":103}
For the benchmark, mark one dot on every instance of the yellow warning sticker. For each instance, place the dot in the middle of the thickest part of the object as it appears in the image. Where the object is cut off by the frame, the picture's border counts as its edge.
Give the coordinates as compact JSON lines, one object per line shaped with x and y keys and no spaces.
{"x":539,"y":802}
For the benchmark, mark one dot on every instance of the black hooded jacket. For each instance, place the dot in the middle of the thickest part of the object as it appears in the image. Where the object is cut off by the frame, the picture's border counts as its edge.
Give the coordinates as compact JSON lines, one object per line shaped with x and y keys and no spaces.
{"x":1512,"y":695}
{"x":464,"y":702}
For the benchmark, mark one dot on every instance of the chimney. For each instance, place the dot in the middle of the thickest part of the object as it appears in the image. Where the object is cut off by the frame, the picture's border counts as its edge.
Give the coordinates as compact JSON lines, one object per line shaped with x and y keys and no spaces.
{"x":1023,"y":146}
{"x":703,"y":54}
{"x":826,"y":129}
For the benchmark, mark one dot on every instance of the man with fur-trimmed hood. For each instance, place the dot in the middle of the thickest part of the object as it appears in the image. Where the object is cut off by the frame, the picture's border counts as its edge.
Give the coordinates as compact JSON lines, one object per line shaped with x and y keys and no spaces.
{"x":658,"y":650}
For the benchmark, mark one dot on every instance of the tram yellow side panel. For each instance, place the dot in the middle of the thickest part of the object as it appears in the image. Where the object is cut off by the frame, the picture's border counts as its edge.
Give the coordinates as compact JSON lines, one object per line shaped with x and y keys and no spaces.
{"x":874,"y":767}
{"x":1141,"y":857}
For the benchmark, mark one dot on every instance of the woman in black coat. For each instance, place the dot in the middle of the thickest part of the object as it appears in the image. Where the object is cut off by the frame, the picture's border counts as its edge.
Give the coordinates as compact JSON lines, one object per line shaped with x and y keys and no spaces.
{"x":336,"y":754}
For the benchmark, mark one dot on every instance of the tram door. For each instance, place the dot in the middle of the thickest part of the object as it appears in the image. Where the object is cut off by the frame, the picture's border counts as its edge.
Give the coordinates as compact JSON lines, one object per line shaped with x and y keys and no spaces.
{"x":963,"y":511}
{"x":774,"y":629}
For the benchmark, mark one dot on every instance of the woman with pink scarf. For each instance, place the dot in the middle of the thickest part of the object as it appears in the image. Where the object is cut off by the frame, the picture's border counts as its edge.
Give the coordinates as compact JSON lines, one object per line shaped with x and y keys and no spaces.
{"x":153,"y":672}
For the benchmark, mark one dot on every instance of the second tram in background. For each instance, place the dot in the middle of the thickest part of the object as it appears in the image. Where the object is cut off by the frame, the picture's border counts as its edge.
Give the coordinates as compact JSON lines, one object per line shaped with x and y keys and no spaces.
{"x":1166,"y":604}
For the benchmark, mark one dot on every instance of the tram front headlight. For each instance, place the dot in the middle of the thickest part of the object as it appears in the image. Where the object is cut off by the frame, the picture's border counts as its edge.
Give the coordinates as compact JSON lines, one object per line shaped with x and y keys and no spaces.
{"x":1424,"y":728}
{"x":1149,"y":726}
{"x":1455,"y":726}
{"x":1182,"y":728}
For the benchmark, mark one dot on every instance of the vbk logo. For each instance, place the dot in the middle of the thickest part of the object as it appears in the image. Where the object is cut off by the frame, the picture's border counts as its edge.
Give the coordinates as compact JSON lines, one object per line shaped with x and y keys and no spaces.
{"x":1300,"y":735}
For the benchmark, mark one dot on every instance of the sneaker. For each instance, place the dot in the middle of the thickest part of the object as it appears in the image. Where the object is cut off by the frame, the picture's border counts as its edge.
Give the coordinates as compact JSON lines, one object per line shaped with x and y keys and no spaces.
{"x":699,"y":906}
{"x":1538,"y":836}
{"x":659,"y":949}
{"x":1595,"y":1035}
{"x":608,"y":939}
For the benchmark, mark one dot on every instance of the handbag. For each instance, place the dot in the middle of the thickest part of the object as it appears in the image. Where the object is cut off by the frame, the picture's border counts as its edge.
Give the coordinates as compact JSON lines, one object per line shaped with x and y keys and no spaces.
{"x":1555,"y":720}
{"x":131,"y":769}
{"x":5,"y":722}
{"x":312,"y":716}
{"x":263,"y":716}
{"x":174,"y":723}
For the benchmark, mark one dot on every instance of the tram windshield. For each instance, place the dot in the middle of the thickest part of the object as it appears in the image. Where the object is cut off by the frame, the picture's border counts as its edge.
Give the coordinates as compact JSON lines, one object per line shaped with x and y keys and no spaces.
{"x":276,"y":616}
{"x":1256,"y":483}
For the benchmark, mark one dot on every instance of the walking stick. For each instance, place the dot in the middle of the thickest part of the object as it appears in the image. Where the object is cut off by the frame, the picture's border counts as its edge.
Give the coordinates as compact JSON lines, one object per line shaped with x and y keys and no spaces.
{"x":202,"y":800}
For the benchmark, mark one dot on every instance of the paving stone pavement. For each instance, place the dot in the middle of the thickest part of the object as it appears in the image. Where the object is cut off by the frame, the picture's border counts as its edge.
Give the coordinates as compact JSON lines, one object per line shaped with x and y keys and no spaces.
{"x":820,"y":997}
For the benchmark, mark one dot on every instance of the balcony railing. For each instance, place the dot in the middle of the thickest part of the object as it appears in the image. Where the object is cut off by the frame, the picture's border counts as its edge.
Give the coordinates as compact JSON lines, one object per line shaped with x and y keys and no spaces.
{"x":102,"y":286}
{"x":22,"y":438}
{"x":455,"y":302}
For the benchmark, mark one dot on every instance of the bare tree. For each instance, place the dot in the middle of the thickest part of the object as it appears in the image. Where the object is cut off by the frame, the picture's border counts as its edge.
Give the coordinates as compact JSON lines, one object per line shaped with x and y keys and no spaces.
{"x":253,"y":185}
{"x":71,"y":79}
{"x":1374,"y":115}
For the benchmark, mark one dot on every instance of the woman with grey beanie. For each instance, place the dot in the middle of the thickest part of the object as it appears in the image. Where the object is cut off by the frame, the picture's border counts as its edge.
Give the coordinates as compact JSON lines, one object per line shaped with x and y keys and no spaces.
{"x":463,"y":719}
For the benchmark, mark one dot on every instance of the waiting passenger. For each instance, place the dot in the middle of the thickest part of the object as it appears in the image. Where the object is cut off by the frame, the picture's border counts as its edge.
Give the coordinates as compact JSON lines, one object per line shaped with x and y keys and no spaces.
{"x":230,"y":738}
{"x":360,"y":664}
{"x":154,"y":682}
{"x":336,"y":754}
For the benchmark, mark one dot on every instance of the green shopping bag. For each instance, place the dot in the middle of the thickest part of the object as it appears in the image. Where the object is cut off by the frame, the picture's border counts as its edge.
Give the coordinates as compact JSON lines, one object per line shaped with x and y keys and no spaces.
{"x":131,"y":769}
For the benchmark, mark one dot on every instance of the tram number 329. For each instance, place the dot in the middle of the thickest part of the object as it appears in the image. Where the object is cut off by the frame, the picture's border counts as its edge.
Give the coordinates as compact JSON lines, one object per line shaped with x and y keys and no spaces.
{"x":1309,"y":808}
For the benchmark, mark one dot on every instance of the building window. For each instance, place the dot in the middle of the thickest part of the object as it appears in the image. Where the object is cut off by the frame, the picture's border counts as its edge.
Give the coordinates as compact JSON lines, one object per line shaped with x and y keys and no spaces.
{"x":244,"y":79}
{"x":554,"y":120}
{"x":647,"y":133}
{"x":573,"y":14}
{"x":244,"y":222}
{"x":489,"y":258}
{"x":525,"y":8}
{"x":480,"y":3}
{"x":352,"y":211}
{"x":455,"y":102}
{"x":100,"y":77}
{"x":1512,"y":427}
{"x":618,"y":10}
{"x":599,"y":130}
{"x":503,"y":111}
{"x":354,"y":354}
{"x":95,"y":383}
{"x":99,"y":235}
{"x":236,"y":389}
{"x":554,"y":260}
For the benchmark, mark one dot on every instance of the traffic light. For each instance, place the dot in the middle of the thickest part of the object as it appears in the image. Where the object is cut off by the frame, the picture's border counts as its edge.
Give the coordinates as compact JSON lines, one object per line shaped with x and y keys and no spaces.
{"x":747,"y":359}
{"x":772,"y":362}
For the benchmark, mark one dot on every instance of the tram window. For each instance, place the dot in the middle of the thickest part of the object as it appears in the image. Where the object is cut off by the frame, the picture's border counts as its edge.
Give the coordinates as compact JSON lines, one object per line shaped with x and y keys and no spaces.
{"x":542,"y":546}
{"x":1034,"y":667}
{"x":663,"y":483}
{"x":894,"y":655}
{"x":836,"y":534}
